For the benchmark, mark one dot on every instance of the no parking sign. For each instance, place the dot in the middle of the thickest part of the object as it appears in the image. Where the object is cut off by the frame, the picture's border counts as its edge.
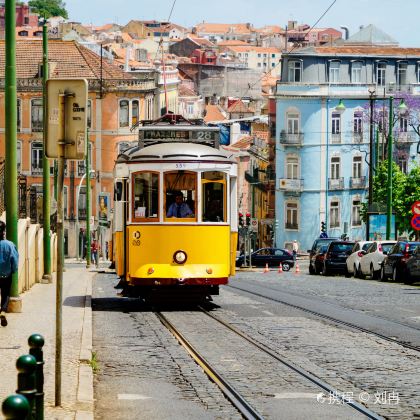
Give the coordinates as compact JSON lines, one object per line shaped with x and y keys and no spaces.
{"x":415,"y":220}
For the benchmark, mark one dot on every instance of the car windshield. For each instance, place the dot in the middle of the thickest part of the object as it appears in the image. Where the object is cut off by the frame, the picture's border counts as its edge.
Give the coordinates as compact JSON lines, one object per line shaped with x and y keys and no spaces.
{"x":342,"y":247}
{"x":366,"y":246}
{"x":386,"y":247}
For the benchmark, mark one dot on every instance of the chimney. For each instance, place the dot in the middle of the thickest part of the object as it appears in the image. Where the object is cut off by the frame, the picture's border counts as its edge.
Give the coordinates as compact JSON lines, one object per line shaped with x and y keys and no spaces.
{"x":346,"y":32}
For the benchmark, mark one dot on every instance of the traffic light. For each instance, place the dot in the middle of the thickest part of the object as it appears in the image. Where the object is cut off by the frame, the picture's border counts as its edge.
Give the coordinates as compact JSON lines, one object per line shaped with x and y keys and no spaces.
{"x":276,"y":224}
{"x":323,"y":227}
{"x":241,"y":219}
{"x":248,"y":219}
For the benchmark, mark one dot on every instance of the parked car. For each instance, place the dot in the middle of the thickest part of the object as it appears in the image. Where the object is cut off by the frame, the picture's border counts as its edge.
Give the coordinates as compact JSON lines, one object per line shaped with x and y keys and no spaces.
{"x":413,"y":267}
{"x":394,"y":264}
{"x":353,"y":261}
{"x":336,"y":256}
{"x":371,"y":262}
{"x":315,"y":246}
{"x":318,"y":259}
{"x":271,"y":256}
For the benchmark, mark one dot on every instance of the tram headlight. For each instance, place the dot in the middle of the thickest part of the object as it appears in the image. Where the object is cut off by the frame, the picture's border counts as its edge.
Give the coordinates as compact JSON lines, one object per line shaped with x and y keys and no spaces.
{"x":180,"y":257}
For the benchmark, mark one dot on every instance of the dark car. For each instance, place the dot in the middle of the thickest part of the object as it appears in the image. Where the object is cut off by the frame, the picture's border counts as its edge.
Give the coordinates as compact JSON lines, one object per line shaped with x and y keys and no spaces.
{"x":315,"y":246}
{"x":318,"y":259}
{"x":395,"y":263}
{"x":413,"y":267}
{"x":336,"y":256}
{"x":271,"y":256}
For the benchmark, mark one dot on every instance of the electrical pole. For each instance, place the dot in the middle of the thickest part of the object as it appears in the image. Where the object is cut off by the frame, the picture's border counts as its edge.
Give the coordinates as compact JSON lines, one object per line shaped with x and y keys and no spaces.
{"x":46,"y":199}
{"x":10,"y":189}
{"x":88,"y":212}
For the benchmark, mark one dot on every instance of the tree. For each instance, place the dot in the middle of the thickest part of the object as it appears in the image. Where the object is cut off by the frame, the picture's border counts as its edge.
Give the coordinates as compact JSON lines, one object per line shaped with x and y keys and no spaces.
{"x":48,"y":8}
{"x":405,"y":192}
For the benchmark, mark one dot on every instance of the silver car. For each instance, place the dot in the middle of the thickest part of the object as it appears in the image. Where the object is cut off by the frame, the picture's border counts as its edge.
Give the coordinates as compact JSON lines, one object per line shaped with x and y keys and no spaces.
{"x":370,"y":263}
{"x":353,"y":261}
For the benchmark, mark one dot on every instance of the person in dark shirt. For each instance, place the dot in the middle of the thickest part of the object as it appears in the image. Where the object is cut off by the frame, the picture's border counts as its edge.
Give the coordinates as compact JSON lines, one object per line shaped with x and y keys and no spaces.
{"x":179,"y":208}
{"x":9,"y":259}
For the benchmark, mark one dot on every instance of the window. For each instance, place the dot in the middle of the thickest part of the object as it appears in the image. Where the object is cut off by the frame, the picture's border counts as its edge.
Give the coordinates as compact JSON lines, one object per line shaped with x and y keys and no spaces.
{"x":380,"y":74}
{"x":292,"y":167}
{"x":36,"y":114}
{"x":89,"y":114}
{"x":358,"y":126}
{"x":259,"y":65}
{"x":180,"y":189}
{"x":334,"y":72}
{"x":134,"y":112}
{"x":401,"y":74}
{"x":292,"y":216}
{"x":335,"y":127}
{"x":19,"y":155}
{"x":214,"y":196}
{"x":403,"y":164}
{"x":335,"y":167}
{"x":295,"y":71}
{"x":65,"y":201}
{"x":81,"y":205}
{"x":149,"y":108}
{"x":18,"y":115}
{"x":124,"y":113}
{"x":334,"y":214}
{"x":292,"y":123}
{"x":273,"y":55}
{"x":146,"y":196}
{"x":259,"y":55}
{"x":356,"y":72}
{"x":355,"y":213}
{"x":190,"y":108}
{"x":273,"y":64}
{"x":357,"y":167}
{"x":36,"y":158}
{"x":403,"y":124}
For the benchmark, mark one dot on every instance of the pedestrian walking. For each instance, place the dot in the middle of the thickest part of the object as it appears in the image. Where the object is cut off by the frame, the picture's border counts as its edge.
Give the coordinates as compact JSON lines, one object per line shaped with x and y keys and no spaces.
{"x":295,"y":248}
{"x":94,"y":251}
{"x":9,"y":259}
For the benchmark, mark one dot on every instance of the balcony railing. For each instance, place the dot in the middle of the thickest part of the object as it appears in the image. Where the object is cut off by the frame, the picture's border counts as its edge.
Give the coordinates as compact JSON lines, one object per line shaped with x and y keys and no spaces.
{"x":37,"y":126}
{"x":254,"y":181}
{"x":406,"y":137}
{"x":288,"y":184}
{"x":82,"y":213}
{"x":291,"y":138}
{"x":36,"y":170}
{"x":335,"y":183}
{"x":335,"y":138}
{"x":358,"y":183}
{"x":357,"y":137}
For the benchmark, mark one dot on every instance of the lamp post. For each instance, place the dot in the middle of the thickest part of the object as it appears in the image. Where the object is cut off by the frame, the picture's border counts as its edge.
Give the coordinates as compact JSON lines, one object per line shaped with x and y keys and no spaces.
{"x":92,"y":172}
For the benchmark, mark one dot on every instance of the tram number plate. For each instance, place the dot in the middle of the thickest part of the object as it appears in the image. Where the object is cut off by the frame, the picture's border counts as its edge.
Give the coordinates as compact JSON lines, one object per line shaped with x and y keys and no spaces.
{"x":136,"y":242}
{"x":180,"y":165}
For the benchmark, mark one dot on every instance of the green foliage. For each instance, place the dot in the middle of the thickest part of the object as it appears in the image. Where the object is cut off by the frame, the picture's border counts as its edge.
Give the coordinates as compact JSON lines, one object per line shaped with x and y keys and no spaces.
{"x":405,"y":191}
{"x":48,"y":8}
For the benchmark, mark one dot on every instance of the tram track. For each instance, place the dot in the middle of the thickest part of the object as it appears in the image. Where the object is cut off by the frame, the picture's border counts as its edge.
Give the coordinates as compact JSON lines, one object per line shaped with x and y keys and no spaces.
{"x":337,"y":321}
{"x":246,"y":409}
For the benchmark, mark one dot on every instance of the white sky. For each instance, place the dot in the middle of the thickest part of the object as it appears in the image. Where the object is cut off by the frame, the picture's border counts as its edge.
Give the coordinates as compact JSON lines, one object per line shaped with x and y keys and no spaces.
{"x":399,"y":18}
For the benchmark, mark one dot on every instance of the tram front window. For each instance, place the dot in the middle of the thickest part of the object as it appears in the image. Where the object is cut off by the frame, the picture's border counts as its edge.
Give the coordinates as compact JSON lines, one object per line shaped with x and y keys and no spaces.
{"x":214,"y":196}
{"x":146,"y":196}
{"x":180,"y":194}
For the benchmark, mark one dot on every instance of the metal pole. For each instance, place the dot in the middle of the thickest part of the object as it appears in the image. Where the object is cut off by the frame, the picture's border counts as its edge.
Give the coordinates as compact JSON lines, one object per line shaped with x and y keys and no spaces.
{"x":46,"y":201}
{"x":377,"y":148}
{"x":60,"y":249}
{"x":10,"y":187}
{"x":77,"y":216}
{"x":389,"y":183}
{"x":327,"y":165}
{"x":88,"y":212}
{"x":371,"y":152}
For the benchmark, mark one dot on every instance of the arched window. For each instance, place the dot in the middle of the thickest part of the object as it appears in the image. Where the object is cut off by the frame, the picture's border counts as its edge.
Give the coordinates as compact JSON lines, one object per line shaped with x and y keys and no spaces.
{"x":355,"y":212}
{"x":36,"y":115}
{"x":292,"y":167}
{"x":292,"y":215}
{"x":124,"y":113}
{"x":36,"y":158}
{"x":334,"y":214}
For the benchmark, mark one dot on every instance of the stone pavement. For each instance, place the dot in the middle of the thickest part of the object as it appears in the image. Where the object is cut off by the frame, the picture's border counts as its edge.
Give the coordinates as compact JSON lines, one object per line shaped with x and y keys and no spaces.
{"x":38,"y":316}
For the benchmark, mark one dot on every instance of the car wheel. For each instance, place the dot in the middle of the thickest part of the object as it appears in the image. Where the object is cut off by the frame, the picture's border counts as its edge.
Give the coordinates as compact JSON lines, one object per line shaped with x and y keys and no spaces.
{"x":285,"y":266}
{"x":325,"y":271}
{"x":383,"y":275}
{"x":408,"y":279}
{"x":395,"y":274}
{"x":311,"y":269}
{"x":373,"y":273}
{"x":347,"y":274}
{"x":356,"y":272}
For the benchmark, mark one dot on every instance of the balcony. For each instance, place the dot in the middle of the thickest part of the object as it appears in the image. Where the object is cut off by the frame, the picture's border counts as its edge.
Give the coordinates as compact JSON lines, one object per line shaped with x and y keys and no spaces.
{"x":291,"y":138}
{"x":358,"y":183}
{"x":37,"y":126}
{"x":254,"y":181}
{"x":336,"y":183}
{"x":357,"y":137}
{"x":404,"y":137}
{"x":336,"y":138}
{"x":36,"y":170}
{"x":287,"y":184}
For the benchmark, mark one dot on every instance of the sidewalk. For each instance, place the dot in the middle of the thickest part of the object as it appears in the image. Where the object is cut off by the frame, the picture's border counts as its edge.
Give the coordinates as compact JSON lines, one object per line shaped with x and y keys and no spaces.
{"x":38,"y":316}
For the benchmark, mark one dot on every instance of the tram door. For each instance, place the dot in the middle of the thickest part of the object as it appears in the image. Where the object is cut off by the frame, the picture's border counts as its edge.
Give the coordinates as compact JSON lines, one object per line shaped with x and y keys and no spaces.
{"x":120,"y":222}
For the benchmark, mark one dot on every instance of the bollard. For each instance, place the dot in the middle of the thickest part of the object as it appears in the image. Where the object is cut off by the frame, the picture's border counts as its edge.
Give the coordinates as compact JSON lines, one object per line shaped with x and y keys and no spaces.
{"x":36,"y":342}
{"x":15,"y":407}
{"x":26,"y":366}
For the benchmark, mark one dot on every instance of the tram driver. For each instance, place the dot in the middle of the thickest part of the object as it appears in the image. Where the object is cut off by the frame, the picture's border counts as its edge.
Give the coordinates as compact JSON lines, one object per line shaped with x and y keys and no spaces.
{"x":179,"y":208}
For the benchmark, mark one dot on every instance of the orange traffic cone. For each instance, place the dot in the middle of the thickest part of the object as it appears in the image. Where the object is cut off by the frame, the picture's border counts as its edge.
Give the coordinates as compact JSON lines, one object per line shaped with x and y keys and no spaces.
{"x":280,"y":268}
{"x":297,"y":270}
{"x":266,"y":270}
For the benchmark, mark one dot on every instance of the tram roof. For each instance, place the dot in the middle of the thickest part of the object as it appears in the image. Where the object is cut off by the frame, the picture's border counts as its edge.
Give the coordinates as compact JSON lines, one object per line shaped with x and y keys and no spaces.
{"x":175,"y":151}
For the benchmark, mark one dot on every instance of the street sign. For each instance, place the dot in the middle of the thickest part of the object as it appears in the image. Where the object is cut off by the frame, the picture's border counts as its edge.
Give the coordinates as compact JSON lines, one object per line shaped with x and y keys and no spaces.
{"x":67,"y":118}
{"x":415,"y":222}
{"x":415,"y":208}
{"x":253,"y":226}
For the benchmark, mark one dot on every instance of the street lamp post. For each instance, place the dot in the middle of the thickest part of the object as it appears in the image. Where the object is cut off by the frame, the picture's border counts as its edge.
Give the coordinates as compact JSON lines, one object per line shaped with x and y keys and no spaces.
{"x":389,"y":181}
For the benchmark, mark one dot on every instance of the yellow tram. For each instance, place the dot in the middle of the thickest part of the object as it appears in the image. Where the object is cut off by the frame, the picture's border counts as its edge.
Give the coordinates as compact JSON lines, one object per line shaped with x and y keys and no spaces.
{"x":175,"y":207}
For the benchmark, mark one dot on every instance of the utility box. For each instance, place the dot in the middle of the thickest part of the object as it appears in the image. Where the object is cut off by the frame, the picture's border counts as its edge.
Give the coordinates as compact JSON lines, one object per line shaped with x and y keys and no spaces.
{"x":67,"y":118}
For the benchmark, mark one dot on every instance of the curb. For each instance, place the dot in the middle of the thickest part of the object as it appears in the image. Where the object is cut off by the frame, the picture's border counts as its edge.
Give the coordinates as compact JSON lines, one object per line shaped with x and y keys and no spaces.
{"x":85,"y":375}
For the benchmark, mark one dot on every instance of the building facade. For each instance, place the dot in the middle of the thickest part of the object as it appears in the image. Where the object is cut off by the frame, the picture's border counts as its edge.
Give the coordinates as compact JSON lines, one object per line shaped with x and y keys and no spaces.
{"x":323,"y":151}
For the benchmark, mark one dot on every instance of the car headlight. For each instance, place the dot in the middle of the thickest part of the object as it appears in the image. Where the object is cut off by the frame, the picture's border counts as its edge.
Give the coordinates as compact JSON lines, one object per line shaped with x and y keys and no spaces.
{"x":180,"y":257}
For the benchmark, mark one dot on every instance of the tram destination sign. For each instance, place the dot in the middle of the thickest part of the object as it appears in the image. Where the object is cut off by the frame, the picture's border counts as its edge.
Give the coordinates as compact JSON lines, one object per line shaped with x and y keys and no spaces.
{"x":148,"y":135}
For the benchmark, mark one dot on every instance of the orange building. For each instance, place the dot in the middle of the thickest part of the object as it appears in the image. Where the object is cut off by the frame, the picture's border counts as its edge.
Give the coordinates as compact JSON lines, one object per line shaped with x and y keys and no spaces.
{"x":117,"y":100}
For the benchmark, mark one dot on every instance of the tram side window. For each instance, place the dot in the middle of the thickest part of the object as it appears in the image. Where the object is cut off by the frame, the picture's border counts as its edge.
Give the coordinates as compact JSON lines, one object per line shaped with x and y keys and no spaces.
{"x":146,"y":196}
{"x":214,"y":196}
{"x":180,"y":194}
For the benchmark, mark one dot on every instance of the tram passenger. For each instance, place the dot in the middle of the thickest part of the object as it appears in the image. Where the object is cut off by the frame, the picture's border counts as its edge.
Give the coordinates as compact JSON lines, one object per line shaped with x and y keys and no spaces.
{"x":180,"y":208}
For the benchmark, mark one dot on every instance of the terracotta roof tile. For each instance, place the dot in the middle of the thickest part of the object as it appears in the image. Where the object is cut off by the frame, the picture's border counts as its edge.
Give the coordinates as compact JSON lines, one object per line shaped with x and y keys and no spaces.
{"x":239,"y":106}
{"x":73,"y":60}
{"x":213,"y":113}
{"x":185,"y":91}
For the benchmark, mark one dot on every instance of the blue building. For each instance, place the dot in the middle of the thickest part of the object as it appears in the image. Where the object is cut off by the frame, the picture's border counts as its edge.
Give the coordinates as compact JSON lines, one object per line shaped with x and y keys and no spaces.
{"x":322,"y":150}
